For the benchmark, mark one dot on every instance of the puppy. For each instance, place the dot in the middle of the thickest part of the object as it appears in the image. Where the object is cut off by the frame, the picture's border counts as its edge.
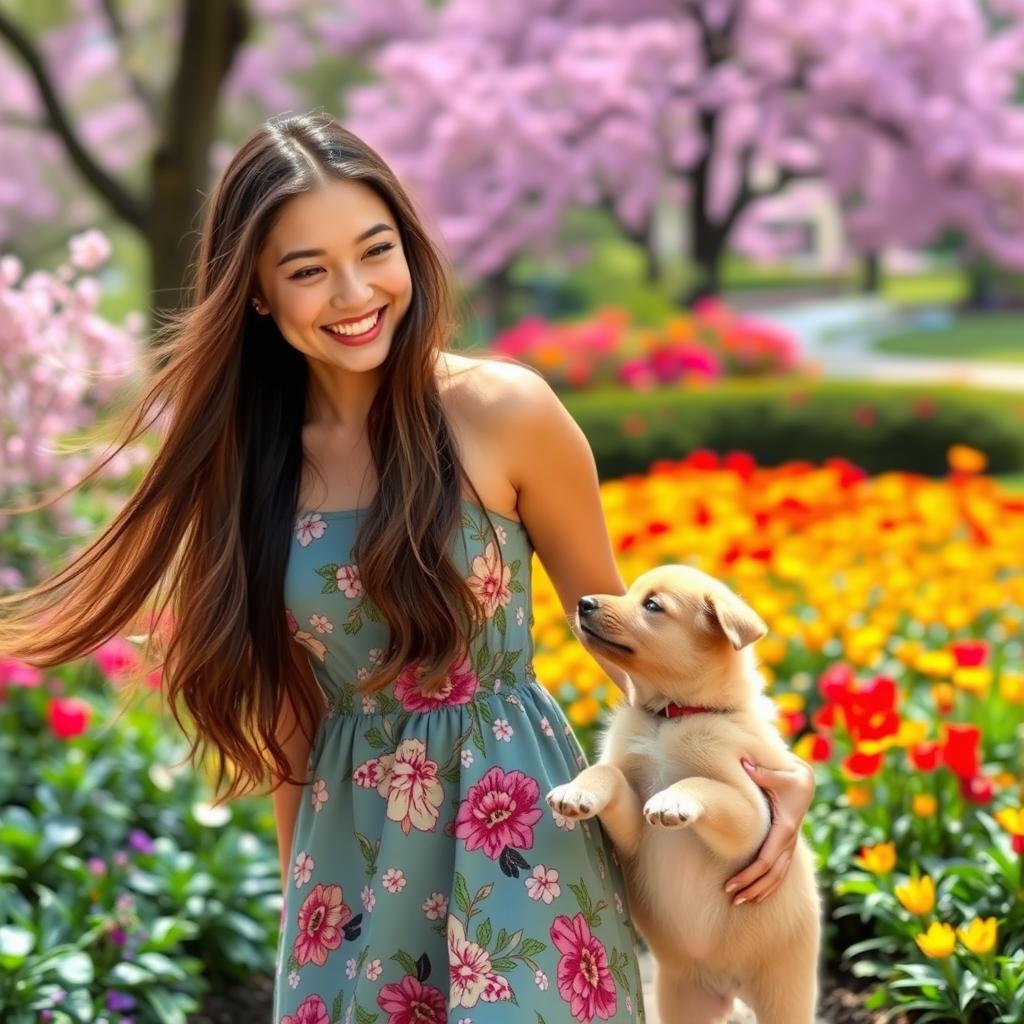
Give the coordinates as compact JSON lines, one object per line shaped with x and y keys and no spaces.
{"x":681,"y":811}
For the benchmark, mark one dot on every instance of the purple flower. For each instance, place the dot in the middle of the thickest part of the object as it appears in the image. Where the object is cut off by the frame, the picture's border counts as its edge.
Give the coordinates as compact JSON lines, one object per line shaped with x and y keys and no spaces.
{"x":140,"y":842}
{"x":118,"y":936}
{"x":97,"y":866}
{"x":120,"y":1001}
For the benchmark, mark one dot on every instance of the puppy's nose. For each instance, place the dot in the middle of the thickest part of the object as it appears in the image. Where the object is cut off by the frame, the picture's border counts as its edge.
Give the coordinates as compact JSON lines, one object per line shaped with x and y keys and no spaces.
{"x":588,"y":605}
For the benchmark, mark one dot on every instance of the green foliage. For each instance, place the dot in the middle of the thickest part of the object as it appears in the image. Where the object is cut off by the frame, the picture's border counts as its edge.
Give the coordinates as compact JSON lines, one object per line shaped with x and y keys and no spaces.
{"x":880,"y":428}
{"x":116,"y":876}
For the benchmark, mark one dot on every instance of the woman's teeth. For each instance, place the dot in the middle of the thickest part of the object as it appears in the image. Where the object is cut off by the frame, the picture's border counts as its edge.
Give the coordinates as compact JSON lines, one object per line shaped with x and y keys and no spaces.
{"x":357,"y":328}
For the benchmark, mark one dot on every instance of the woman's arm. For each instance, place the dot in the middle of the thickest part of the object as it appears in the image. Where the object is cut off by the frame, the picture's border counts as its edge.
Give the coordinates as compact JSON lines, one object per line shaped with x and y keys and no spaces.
{"x":552,"y":467}
{"x":296,"y":747}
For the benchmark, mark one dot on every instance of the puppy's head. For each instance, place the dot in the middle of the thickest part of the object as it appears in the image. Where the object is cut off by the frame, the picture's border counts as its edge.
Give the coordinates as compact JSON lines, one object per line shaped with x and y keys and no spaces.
{"x":679,"y":634}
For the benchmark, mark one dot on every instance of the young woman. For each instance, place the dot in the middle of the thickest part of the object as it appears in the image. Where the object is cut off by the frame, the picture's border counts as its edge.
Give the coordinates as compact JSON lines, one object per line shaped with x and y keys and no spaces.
{"x":340,"y":520}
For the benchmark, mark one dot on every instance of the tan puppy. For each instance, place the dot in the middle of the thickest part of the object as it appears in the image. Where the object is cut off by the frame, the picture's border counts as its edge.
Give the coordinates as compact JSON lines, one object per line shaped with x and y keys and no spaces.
{"x":681,"y":811}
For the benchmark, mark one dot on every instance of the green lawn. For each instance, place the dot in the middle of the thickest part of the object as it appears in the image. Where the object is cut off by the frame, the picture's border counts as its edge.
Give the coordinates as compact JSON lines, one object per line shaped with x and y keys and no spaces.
{"x":1012,"y":481}
{"x":993,"y":337}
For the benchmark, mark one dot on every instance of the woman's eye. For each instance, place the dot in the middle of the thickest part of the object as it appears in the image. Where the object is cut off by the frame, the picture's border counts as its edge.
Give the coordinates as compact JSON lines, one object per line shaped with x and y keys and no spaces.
{"x":378,"y":250}
{"x":305,"y":272}
{"x":652,"y":606}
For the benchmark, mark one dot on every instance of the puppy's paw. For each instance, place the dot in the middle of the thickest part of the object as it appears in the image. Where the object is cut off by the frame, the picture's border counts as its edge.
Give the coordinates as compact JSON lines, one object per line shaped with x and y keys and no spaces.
{"x":572,"y":801}
{"x":671,"y":809}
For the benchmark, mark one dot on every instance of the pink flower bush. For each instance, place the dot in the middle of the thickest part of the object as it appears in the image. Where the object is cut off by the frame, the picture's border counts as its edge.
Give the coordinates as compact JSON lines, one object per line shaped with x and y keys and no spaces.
{"x":458,"y":688}
{"x":706,"y":344}
{"x":322,"y":916}
{"x":69,"y":716}
{"x":584,"y":980}
{"x":410,"y":1001}
{"x":499,"y":811}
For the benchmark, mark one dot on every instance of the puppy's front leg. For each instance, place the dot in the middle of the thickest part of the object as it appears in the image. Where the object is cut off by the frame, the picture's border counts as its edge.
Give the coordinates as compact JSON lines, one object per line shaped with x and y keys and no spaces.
{"x":724,"y":818}
{"x":604,"y":791}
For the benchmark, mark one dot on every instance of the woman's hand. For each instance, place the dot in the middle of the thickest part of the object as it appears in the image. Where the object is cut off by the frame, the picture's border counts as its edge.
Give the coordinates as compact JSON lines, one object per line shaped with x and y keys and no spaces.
{"x":790,"y":793}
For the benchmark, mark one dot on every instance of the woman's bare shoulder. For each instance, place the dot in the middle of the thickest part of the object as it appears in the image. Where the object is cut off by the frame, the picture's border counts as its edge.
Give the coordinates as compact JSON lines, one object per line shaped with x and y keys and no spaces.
{"x":486,"y":388}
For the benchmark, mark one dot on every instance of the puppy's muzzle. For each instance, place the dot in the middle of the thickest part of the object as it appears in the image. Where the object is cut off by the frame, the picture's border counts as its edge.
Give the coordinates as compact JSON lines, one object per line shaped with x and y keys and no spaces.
{"x":588,"y":614}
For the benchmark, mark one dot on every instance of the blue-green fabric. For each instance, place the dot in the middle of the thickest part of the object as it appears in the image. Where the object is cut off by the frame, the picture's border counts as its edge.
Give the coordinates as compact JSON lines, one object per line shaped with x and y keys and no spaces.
{"x":430,"y":881}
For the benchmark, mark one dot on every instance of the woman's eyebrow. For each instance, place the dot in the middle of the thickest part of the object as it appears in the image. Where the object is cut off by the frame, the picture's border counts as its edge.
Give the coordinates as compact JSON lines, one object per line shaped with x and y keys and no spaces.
{"x":301,"y":254}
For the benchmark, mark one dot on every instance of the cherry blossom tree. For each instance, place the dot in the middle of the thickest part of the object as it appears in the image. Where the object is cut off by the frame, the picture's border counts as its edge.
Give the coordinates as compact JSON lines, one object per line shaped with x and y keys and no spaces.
{"x":502,"y":114}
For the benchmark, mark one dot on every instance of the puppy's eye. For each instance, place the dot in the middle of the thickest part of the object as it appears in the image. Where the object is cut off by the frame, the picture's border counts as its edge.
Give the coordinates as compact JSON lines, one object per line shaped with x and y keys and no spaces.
{"x":652,"y":606}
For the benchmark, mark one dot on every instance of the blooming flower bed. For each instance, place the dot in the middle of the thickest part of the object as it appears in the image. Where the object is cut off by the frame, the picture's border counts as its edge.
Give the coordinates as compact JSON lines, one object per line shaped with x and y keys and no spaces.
{"x":705,"y":345}
{"x":894,"y":607}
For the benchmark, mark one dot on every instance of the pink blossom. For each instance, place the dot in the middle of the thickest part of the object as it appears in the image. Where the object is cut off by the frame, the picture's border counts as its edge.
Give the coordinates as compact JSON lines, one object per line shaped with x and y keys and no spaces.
{"x":499,"y":811}
{"x":584,"y":980}
{"x":458,"y":688}
{"x":322,"y":916}
{"x":415,"y":792}
{"x":116,"y":658}
{"x":410,"y":1001}
{"x":469,"y":966}
{"x":349,"y":583}
{"x":543,"y":884}
{"x":310,"y":527}
{"x":312,"y":1010}
{"x":489,"y":581}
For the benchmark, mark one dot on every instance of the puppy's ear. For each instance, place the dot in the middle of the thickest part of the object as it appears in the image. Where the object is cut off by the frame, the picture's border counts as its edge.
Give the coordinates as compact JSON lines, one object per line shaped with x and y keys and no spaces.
{"x":736,"y":619}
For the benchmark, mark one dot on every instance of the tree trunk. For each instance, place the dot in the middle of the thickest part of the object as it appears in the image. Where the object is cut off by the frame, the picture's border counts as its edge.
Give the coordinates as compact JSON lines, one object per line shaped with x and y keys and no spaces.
{"x":179,"y":170}
{"x":871,"y":283}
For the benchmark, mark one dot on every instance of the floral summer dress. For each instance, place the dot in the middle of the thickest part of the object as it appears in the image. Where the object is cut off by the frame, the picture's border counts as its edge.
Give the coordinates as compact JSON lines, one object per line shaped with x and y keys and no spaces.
{"x":430,"y":882}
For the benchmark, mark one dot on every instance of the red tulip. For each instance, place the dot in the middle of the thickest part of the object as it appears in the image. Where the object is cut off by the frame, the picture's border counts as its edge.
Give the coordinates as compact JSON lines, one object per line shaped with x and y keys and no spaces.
{"x":820,"y":749}
{"x":862,"y":766}
{"x":835,"y":682}
{"x":69,"y":716}
{"x":925,"y":756}
{"x":970,"y":653}
{"x":960,"y":749}
{"x":977,"y":789}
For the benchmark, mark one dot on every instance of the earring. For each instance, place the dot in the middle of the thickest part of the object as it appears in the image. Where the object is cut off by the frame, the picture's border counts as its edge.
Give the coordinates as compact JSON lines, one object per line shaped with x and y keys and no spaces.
{"x":256,"y":305}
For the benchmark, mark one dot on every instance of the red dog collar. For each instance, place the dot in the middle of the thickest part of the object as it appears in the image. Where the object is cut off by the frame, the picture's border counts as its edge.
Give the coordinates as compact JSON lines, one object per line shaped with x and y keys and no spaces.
{"x":676,"y":710}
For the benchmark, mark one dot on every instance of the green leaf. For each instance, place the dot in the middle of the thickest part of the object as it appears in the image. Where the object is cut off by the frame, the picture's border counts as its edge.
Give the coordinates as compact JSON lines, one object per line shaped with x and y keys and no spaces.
{"x":502,"y":940}
{"x":167,"y":932}
{"x":58,"y":834}
{"x":500,"y":622}
{"x":461,"y":893}
{"x":129,"y":974}
{"x":531,"y":947}
{"x":503,"y":963}
{"x":161,"y":966}
{"x":364,"y":1016}
{"x":74,"y":969}
{"x":405,"y":961}
{"x":483,"y":932}
{"x":375,"y":738}
{"x":167,"y":1008}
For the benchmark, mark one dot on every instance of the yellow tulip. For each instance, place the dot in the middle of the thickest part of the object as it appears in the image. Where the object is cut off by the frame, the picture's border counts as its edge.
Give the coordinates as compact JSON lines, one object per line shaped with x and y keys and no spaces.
{"x":858,"y":796}
{"x":1012,"y":819}
{"x":979,"y":936}
{"x":879,"y":860}
{"x":917,"y":895}
{"x":975,"y":679}
{"x":935,"y":663}
{"x":938,"y":942}
{"x":1011,"y":687}
{"x":925,"y":805}
{"x":583,"y":711}
{"x":963,"y":459}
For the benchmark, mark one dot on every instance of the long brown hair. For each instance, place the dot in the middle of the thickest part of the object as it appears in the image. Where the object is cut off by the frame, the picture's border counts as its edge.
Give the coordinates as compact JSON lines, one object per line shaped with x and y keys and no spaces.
{"x":204,"y":539}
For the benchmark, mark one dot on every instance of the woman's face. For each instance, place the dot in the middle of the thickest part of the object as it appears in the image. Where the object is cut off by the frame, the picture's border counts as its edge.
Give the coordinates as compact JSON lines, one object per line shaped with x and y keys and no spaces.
{"x":333,"y":275}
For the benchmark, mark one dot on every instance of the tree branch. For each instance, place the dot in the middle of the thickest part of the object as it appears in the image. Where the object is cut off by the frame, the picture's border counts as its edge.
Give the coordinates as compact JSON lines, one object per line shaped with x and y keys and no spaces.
{"x":127,"y":206}
{"x":142,"y":91}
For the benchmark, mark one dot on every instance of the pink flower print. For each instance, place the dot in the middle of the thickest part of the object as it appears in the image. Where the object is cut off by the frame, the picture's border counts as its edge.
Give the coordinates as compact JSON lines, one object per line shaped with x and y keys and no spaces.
{"x":369,"y":703}
{"x":362,"y":673}
{"x":317,"y":647}
{"x":541,"y":979}
{"x":458,"y":687}
{"x":489,"y":581}
{"x":374,"y":970}
{"x":496,"y":990}
{"x":369,"y":899}
{"x":411,"y":1002}
{"x":319,"y":794}
{"x":415,"y":792}
{"x":502,"y":536}
{"x":375,"y":773}
{"x":618,"y":904}
{"x":351,"y":966}
{"x":436,"y":907}
{"x":584,"y":980}
{"x":499,"y":811}
{"x":543,"y":884}
{"x":322,"y":916}
{"x":629,"y":1004}
{"x":501,"y":729}
{"x":312,"y":1011}
{"x":309,"y":528}
{"x":394,"y":880}
{"x":520,"y":615}
{"x":321,"y":623}
{"x":545,"y":727}
{"x":376,"y":656}
{"x":304,"y":865}
{"x":349,"y":583}
{"x":466,"y":757}
{"x":469,"y":966}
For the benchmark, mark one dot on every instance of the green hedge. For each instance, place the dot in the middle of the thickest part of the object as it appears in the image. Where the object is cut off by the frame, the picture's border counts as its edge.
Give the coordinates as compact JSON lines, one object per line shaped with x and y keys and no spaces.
{"x":878,"y":427}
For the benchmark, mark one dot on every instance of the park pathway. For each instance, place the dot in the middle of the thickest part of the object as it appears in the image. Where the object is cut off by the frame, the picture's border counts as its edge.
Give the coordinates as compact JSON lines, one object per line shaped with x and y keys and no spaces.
{"x":837,"y":336}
